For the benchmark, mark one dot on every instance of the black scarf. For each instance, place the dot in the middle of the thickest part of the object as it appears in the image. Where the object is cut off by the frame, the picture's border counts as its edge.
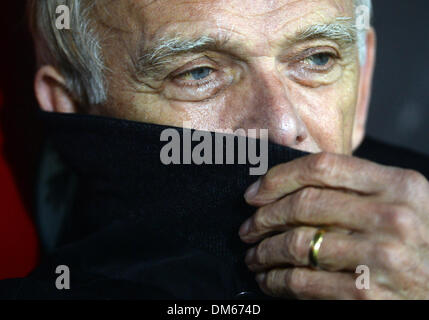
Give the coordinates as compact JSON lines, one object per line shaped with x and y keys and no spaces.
{"x":134,"y":218}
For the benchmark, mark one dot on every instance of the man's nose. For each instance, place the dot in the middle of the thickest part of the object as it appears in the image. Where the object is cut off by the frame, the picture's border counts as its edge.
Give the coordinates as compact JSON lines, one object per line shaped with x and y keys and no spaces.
{"x":273,"y":109}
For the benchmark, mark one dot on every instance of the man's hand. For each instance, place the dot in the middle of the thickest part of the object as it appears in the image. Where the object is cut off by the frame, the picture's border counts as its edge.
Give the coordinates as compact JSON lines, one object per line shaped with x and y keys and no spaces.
{"x":373,"y":215}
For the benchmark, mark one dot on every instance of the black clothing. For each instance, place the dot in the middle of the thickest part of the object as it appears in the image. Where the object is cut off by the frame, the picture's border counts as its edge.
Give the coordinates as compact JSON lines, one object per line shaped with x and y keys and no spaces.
{"x":128,"y":226}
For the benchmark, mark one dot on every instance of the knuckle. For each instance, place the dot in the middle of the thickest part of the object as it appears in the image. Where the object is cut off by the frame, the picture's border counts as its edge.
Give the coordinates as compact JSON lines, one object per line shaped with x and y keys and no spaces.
{"x":265,"y":219}
{"x":301,"y":202}
{"x":322,"y":162}
{"x":260,"y":254}
{"x":413,"y":181}
{"x":274,"y":284}
{"x":389,"y":255}
{"x":308,"y":195}
{"x":416,"y":178}
{"x":259,"y":220}
{"x":399,"y":219}
{"x":297,"y":246}
{"x":295,"y":281}
{"x":270,"y":183}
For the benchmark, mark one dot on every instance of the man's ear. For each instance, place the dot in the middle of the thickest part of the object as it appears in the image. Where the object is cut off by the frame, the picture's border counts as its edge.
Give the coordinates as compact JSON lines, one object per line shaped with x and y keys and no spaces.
{"x":51,"y":91}
{"x":364,"y":93}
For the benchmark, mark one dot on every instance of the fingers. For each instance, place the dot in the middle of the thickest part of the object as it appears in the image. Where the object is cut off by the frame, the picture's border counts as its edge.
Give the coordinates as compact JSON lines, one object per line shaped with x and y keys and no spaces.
{"x":311,"y":207}
{"x":333,"y":209}
{"x":319,"y":170}
{"x":304,"y":283}
{"x":338,"y":251}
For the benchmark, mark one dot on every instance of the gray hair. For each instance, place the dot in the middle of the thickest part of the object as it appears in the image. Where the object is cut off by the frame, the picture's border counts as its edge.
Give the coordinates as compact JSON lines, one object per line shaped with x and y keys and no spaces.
{"x":361,"y":34}
{"x":77,"y":53}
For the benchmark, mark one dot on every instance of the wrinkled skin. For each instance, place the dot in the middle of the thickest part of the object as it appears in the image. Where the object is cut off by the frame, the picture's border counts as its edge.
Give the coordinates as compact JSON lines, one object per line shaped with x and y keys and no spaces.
{"x":378,"y":217}
{"x":255,"y":82}
{"x":374,"y":215}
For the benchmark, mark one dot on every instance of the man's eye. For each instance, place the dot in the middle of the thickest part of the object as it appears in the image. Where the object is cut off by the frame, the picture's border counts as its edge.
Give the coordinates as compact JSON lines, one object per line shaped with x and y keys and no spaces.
{"x":196,"y":74}
{"x":319,"y":60}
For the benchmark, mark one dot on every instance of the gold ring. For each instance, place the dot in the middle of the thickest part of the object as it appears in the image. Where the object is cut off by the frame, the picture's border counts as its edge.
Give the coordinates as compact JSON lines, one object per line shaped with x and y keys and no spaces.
{"x":315,"y":248}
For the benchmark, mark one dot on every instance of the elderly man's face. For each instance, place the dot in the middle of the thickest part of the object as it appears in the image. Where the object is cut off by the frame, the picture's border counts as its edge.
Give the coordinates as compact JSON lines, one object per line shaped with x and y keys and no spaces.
{"x":230,"y":64}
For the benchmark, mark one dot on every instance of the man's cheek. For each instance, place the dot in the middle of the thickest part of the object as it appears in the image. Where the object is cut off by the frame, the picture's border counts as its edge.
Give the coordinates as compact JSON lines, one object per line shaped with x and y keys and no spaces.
{"x":150,"y":108}
{"x":347,"y":103}
{"x":320,"y":110}
{"x":231,"y":109}
{"x":202,"y":115}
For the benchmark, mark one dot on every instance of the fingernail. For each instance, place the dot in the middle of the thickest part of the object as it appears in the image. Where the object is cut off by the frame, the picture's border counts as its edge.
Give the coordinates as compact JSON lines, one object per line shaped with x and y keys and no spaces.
{"x":260,"y":277}
{"x":252,"y":190}
{"x":249,"y":256}
{"x":245,"y":228}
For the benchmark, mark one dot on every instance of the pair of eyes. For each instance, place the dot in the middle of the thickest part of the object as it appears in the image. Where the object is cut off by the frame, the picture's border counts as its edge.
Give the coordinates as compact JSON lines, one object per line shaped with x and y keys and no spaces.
{"x":318,"y":60}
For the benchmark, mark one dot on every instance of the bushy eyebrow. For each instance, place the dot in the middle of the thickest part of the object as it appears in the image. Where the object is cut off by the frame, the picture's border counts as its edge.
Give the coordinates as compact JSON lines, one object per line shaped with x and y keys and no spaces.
{"x":153,"y":60}
{"x":343,"y":32}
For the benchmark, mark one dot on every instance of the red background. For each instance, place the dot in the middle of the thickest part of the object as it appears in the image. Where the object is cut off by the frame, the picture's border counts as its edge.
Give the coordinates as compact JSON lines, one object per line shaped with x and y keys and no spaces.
{"x":19,"y":144}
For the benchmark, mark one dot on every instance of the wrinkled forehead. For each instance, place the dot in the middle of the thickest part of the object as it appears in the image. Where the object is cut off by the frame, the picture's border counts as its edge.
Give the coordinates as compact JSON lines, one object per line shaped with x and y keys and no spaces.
{"x":159,"y":18}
